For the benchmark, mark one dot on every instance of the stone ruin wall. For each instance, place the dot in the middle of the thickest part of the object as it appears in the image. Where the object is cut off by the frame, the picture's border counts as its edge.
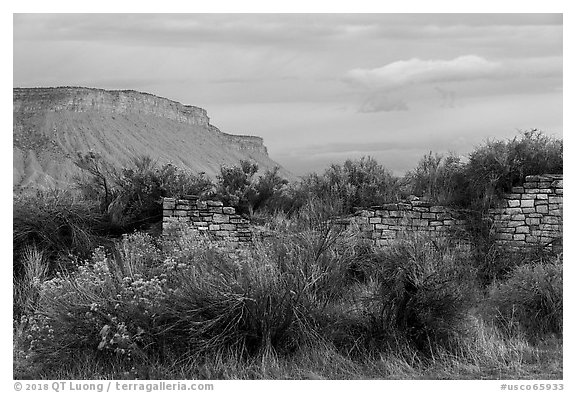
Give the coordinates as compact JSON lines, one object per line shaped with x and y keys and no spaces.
{"x":218,"y":222}
{"x":531,"y":214}
{"x":383,"y":224}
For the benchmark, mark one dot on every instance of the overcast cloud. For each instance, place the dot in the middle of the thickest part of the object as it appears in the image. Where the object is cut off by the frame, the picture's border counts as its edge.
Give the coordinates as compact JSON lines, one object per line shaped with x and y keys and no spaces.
{"x":319,"y":88}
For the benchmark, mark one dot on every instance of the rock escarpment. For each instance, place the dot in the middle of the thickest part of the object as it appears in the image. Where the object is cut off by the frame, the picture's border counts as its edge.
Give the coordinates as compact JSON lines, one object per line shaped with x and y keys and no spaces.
{"x":51,"y":125}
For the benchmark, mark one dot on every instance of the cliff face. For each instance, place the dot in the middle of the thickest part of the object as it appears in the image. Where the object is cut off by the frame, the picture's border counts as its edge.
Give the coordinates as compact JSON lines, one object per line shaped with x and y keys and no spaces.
{"x":52,"y":125}
{"x":81,"y":99}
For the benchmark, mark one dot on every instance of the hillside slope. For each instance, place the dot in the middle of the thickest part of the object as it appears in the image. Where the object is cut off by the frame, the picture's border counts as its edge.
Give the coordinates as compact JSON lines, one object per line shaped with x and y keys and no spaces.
{"x":51,"y":125}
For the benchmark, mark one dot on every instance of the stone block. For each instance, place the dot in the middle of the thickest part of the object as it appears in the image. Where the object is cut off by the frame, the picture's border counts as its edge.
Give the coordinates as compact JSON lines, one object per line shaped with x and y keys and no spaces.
{"x":396,"y":214}
{"x":449,"y":222}
{"x":541,"y":196}
{"x":532,"y":221}
{"x":551,"y":220}
{"x":550,"y":227}
{"x":418,"y":222}
{"x":556,"y":213}
{"x":375,"y":220}
{"x":540,"y":202}
{"x":214,"y":203}
{"x":531,"y":184}
{"x":436,"y":223}
{"x":428,"y":216}
{"x":223,"y":233}
{"x":528,"y":196}
{"x":514,"y":210}
{"x":528,"y":210}
{"x":228,"y":227}
{"x":512,"y":196}
{"x":220,"y":218}
{"x":213,"y":227}
{"x":388,"y":234}
{"x":380,"y":227}
{"x":366,"y":213}
{"x":201,"y":205}
{"x":183,"y":207}
{"x":390,"y":221}
{"x":559,"y":191}
{"x":512,"y":224}
{"x":544,"y":184}
{"x":519,"y":237}
{"x":555,"y":199}
{"x":215,"y":209}
{"x":542,"y":209}
{"x":518,"y":217}
{"x":180,"y":213}
{"x":167,"y":213}
{"x":228,"y":210}
{"x":506,"y":230}
{"x":557,"y":184}
{"x":526,"y":202}
{"x":523,"y":229}
{"x":513,"y":203}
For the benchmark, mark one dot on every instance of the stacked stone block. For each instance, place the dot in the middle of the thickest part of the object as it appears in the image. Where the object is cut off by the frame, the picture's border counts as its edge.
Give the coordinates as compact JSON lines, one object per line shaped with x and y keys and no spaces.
{"x":210,"y":218}
{"x":383,"y":224}
{"x":531,"y":214}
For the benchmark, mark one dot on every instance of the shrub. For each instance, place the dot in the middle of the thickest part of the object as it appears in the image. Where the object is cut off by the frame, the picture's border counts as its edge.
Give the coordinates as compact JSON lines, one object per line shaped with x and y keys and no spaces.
{"x":57,"y":223}
{"x":439,"y":179}
{"x":499,"y":165}
{"x":529,"y":301}
{"x":357,"y":183}
{"x":131,"y":197}
{"x":425,"y":287}
{"x":235,"y":186}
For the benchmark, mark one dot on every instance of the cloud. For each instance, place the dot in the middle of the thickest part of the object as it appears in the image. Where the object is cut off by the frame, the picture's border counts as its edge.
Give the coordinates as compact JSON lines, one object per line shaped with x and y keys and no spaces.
{"x":414,"y":71}
{"x":382,"y":103}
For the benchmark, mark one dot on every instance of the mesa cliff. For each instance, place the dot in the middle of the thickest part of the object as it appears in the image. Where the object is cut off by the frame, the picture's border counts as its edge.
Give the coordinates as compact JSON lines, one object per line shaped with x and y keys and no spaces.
{"x":53,"y":125}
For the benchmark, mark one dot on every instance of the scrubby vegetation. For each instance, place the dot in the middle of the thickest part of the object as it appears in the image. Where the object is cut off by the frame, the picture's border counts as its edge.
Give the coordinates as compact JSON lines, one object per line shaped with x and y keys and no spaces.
{"x":95,"y":299}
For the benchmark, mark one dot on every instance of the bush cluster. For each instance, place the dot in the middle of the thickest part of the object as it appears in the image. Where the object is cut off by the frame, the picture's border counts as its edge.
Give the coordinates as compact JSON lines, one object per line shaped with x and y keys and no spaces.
{"x":529,"y":300}
{"x":491,"y":170}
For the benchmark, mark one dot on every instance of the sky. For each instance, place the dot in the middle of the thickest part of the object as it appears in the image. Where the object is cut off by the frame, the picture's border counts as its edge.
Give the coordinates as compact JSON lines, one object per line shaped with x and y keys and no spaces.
{"x":319,"y":88}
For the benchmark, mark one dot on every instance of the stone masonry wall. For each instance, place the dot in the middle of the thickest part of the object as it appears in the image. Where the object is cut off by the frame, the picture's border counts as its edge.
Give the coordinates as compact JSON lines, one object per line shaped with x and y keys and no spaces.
{"x":212,"y":218}
{"x":531,"y":215}
{"x":383,"y":224}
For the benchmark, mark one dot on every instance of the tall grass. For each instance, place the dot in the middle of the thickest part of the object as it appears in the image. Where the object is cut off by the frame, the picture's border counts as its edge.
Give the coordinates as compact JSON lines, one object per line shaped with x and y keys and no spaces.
{"x":57,"y":223}
{"x":26,"y":289}
{"x":530,"y":301}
